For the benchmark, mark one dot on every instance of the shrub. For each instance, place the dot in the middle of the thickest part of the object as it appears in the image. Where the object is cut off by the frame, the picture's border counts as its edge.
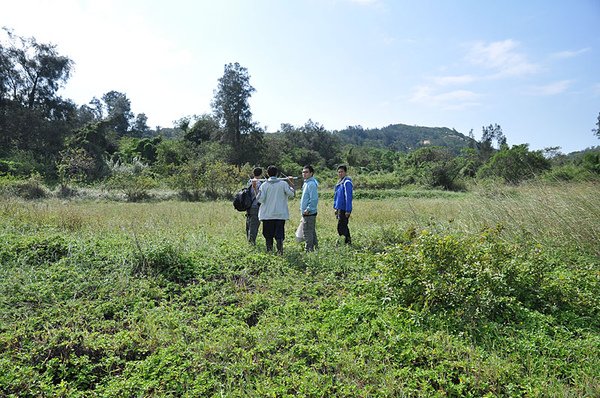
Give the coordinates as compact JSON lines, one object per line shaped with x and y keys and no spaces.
{"x":166,"y":261}
{"x":133,"y":179}
{"x":216,"y":180}
{"x":469,"y":280}
{"x":515,"y":164}
{"x":568,"y":172}
{"x":431,"y":167}
{"x":39,"y":250}
{"x":377,"y":181}
{"x":20,"y":163}
{"x":65,"y":191}
{"x":29,"y":189}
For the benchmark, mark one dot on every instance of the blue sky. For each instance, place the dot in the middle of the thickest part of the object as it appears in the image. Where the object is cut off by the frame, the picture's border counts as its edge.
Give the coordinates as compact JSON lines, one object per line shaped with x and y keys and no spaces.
{"x":530,"y":66}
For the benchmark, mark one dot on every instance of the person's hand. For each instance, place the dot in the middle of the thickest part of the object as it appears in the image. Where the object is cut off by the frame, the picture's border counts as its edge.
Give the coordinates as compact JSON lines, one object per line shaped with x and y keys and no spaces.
{"x":347,"y":215}
{"x":305,"y":212}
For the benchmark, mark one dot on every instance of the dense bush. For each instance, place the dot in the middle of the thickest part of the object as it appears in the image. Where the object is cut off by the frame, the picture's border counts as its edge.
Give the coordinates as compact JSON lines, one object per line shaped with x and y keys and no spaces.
{"x":568,"y":172}
{"x":31,"y":188}
{"x":432,"y":167}
{"x":515,"y":164}
{"x":377,"y":181}
{"x":164,"y":260}
{"x":473,"y":280}
{"x":217,"y":180}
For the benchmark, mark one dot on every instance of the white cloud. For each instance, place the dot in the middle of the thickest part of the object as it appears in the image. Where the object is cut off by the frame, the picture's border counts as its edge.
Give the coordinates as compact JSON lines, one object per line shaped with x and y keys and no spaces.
{"x":364,"y":2}
{"x":551,"y":88}
{"x":502,"y":57}
{"x":570,"y":54}
{"x":454,"y":80}
{"x":450,"y":100}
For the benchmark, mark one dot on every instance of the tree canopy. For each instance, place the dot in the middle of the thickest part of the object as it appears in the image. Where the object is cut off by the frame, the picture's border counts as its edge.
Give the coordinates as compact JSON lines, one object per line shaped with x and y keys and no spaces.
{"x":232,"y":109}
{"x":40,"y":132}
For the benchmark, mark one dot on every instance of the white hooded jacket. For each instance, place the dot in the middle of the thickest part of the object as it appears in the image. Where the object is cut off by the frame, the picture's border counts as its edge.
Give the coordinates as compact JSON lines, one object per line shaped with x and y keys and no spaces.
{"x":273,"y":198}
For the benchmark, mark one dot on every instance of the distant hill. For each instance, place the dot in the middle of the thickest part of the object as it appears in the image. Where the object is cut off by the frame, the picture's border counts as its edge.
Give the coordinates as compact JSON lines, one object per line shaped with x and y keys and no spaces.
{"x":405,"y":138}
{"x":580,"y":154}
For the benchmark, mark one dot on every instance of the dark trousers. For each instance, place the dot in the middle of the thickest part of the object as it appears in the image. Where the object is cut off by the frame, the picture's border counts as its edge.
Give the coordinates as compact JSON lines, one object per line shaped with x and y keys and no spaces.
{"x":342,"y":225}
{"x":274,"y":229}
{"x":252,"y":224}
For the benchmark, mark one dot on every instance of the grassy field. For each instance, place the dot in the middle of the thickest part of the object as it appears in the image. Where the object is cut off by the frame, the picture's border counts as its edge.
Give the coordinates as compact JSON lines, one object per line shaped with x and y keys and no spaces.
{"x":495,"y":292}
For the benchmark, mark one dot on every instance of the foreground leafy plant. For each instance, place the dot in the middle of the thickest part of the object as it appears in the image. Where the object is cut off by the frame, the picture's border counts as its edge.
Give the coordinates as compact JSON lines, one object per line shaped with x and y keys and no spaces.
{"x":176,"y":304}
{"x":470,"y":280}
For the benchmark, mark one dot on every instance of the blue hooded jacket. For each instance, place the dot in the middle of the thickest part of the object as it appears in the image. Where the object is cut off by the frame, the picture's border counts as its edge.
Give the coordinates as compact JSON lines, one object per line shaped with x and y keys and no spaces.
{"x":342,"y":197}
{"x":310,"y":197}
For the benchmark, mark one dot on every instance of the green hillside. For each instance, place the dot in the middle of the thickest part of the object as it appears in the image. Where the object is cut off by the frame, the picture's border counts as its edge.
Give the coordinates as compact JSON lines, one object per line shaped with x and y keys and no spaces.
{"x":404,"y":138}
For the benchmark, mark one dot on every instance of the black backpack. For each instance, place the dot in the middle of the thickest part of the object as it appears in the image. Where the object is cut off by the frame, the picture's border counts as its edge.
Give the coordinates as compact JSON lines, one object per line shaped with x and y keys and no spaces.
{"x":242,"y":200}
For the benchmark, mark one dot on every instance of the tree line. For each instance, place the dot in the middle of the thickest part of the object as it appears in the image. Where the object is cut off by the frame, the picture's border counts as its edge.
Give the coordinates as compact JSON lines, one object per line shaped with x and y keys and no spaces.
{"x":44,"y":134}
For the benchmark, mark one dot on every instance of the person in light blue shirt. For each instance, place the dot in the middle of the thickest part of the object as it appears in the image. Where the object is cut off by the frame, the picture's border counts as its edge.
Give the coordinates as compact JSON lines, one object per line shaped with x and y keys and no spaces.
{"x":342,"y":202}
{"x":308,"y":207}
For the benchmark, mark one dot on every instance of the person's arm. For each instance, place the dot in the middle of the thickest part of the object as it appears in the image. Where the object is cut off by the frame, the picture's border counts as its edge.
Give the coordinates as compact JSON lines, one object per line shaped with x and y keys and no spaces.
{"x":290,"y":188}
{"x":348,"y":191}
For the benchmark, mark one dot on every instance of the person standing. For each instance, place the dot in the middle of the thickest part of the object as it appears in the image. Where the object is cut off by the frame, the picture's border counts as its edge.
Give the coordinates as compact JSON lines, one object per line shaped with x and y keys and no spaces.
{"x":252,"y":221}
{"x":273,"y":197}
{"x":342,"y":202}
{"x":308,"y":207}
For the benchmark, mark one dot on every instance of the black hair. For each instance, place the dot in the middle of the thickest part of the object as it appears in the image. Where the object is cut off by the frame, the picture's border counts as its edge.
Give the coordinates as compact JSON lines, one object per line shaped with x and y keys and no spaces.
{"x":309,"y":168}
{"x":272,"y":171}
{"x":257,"y":171}
{"x":343,"y":167}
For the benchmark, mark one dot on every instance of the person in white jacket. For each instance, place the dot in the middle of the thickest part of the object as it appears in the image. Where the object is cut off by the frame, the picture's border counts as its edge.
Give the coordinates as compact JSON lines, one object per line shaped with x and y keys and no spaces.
{"x":273,"y":197}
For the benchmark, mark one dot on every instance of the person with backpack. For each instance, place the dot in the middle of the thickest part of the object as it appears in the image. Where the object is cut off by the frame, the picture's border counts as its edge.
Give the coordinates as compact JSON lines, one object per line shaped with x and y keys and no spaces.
{"x":308,"y":207}
{"x":273,"y":197}
{"x":252,"y":221}
{"x":342,"y":203}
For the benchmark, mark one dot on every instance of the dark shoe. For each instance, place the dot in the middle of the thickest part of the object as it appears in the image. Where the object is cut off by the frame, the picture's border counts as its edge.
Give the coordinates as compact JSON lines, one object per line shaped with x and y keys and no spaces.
{"x":280,"y":248}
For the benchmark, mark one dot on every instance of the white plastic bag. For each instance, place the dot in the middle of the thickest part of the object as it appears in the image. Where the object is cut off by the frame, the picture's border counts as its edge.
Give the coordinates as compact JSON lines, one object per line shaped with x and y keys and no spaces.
{"x":300,"y":231}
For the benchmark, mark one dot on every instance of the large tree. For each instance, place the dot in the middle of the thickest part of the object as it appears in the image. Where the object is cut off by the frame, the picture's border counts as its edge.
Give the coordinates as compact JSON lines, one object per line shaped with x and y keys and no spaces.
{"x":232,"y":110}
{"x":33,"y":116}
{"x":118,"y":111}
{"x":311,"y":143}
{"x":489,"y":134}
{"x":32,"y":72}
{"x":199,"y":129}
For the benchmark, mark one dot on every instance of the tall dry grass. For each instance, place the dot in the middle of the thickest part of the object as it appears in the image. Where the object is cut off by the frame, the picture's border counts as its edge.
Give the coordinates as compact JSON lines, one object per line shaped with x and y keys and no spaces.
{"x":556,"y":214}
{"x":548,"y":214}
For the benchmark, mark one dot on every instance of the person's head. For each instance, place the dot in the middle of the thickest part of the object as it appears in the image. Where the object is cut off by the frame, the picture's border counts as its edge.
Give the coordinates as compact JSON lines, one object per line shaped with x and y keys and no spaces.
{"x":257,"y":172}
{"x":342,"y":170}
{"x":308,"y":171}
{"x":272,"y":171}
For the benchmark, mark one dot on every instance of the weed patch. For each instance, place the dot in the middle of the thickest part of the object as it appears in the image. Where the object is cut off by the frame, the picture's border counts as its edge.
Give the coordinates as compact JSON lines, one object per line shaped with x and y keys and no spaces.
{"x":167,"y":299}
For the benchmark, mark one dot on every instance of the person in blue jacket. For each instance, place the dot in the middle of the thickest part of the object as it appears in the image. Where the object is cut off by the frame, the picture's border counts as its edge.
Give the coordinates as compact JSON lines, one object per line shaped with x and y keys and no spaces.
{"x":308,"y":207}
{"x":342,"y":202}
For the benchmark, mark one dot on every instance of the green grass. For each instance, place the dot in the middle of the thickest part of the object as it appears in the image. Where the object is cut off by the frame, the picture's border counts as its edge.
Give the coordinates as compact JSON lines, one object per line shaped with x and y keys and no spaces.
{"x":488,"y":293}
